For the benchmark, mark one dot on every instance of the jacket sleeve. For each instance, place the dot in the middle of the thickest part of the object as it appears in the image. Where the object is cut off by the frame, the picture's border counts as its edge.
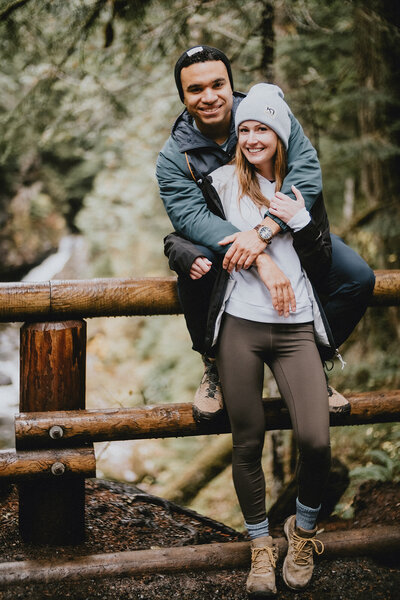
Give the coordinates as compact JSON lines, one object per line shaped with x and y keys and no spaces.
{"x":313,"y":243}
{"x":180,"y":253}
{"x":186,"y":206}
{"x":304,"y":170}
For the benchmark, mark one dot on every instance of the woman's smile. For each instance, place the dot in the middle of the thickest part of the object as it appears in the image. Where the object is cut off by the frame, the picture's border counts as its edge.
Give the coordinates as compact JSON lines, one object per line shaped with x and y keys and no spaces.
{"x":258,"y":143}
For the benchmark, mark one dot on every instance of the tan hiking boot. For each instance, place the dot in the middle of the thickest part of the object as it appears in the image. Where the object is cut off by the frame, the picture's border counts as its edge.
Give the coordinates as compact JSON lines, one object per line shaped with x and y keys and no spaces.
{"x":261,"y":580}
{"x":298,"y":565}
{"x":338,"y":404}
{"x":208,"y":402}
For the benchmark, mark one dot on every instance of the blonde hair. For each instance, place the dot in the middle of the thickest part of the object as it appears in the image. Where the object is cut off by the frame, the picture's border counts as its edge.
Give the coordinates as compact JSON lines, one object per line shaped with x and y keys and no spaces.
{"x":247,"y":175}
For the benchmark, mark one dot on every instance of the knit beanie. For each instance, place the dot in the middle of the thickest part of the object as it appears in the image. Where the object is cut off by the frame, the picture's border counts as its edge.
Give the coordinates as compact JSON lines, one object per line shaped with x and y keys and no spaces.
{"x":265,"y":103}
{"x":199,"y":54}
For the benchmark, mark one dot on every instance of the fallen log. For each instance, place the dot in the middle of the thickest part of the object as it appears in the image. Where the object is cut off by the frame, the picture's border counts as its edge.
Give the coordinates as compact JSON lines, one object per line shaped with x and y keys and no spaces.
{"x":54,"y":463}
{"x":209,"y":463}
{"x":66,"y":428}
{"x":113,"y":297}
{"x":230,"y":555}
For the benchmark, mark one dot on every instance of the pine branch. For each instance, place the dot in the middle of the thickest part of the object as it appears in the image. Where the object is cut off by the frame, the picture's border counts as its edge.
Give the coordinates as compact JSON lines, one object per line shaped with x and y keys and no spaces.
{"x":6,"y":12}
{"x":51,"y":75}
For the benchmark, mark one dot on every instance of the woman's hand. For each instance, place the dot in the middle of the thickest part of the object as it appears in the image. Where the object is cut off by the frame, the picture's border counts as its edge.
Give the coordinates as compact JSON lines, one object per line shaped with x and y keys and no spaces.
{"x":278,"y":285}
{"x":284,"y":207}
{"x":246,"y":246}
{"x":200,"y":267}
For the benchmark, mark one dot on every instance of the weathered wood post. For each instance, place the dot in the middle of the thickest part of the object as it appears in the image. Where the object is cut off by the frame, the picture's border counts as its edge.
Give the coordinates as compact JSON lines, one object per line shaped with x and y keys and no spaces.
{"x":52,"y":377}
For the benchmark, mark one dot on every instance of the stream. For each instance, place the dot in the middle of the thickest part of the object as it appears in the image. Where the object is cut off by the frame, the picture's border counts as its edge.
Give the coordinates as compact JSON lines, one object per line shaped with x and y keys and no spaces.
{"x":53,"y":266}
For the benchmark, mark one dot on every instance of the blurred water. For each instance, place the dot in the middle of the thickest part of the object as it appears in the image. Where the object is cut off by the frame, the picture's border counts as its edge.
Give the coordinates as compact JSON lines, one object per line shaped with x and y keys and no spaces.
{"x":50,"y":268}
{"x":9,"y":359}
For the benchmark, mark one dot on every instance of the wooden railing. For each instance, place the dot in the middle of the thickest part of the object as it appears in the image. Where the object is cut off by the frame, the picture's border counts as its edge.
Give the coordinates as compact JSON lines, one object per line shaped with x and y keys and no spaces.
{"x":114,"y":297}
{"x":54,"y":432}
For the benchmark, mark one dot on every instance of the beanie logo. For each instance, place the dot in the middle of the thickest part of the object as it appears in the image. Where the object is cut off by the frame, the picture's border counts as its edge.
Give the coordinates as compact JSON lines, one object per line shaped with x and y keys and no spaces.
{"x":271,"y":112}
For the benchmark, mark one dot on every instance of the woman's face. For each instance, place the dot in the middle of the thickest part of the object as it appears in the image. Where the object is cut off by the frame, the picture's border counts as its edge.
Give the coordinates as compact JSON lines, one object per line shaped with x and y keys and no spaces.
{"x":258,"y":143}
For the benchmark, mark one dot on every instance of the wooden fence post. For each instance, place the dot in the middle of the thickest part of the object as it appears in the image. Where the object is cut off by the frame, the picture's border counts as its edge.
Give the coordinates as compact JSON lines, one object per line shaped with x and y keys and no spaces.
{"x":52,"y":377}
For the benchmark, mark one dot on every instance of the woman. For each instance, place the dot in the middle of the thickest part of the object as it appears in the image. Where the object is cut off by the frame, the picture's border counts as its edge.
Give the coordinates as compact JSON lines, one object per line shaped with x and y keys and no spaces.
{"x":268,"y":316}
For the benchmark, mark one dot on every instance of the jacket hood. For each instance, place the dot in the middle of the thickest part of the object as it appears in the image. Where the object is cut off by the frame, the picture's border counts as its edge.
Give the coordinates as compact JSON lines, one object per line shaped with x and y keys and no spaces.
{"x":188,"y":138}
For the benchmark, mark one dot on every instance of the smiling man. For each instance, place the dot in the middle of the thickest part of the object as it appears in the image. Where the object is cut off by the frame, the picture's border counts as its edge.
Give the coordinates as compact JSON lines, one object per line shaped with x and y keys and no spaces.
{"x":208,"y":98}
{"x":203,"y":138}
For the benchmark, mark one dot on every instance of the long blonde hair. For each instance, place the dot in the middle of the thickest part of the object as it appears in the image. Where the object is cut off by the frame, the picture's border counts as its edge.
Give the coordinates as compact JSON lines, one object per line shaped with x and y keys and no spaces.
{"x":247,"y":177}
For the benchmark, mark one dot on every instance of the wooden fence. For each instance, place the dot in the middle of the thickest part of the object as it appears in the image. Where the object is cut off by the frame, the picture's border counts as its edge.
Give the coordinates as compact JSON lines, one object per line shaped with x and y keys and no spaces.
{"x":55,"y":434}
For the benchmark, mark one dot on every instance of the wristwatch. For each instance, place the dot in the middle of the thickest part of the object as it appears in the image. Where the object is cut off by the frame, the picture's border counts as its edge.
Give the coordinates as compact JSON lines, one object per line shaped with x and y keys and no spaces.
{"x":264,"y":233}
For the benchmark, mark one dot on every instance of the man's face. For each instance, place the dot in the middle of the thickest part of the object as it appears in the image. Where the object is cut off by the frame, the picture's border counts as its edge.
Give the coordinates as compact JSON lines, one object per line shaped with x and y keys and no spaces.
{"x":207,"y":93}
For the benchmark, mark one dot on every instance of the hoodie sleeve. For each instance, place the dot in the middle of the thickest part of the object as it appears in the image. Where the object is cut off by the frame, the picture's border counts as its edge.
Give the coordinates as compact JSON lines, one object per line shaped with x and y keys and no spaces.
{"x":185,"y":203}
{"x":304,"y":170}
{"x":181,"y":253}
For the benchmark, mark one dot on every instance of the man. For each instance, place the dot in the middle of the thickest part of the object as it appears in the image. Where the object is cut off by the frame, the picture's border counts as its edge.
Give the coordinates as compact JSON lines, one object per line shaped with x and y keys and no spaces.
{"x":202,"y":139}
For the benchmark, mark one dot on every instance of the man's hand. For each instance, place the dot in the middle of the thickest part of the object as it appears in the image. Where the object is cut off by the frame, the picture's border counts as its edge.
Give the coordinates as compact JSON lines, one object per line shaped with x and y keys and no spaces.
{"x":284,"y":207}
{"x":278,"y":285}
{"x":200,"y":267}
{"x":246,"y":246}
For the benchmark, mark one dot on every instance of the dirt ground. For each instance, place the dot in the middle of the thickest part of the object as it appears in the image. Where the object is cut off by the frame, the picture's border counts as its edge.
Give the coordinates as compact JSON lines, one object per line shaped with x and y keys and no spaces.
{"x":116,"y":521}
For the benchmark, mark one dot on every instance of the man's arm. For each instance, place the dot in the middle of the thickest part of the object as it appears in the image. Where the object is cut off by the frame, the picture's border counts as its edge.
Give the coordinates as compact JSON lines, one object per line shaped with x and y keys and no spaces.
{"x":185,"y":203}
{"x":304,"y":170}
{"x":190,"y":216}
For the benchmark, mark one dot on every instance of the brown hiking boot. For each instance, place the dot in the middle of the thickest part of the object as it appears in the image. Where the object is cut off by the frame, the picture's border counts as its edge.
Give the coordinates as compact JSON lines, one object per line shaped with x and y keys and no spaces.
{"x":298,"y":565}
{"x":208,"y":402}
{"x":261,"y":580}
{"x":338,"y":404}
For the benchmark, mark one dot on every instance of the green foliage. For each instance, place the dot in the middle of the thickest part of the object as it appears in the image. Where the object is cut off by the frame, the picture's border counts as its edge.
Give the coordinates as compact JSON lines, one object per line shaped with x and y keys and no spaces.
{"x":336,"y":63}
{"x":382,"y":468}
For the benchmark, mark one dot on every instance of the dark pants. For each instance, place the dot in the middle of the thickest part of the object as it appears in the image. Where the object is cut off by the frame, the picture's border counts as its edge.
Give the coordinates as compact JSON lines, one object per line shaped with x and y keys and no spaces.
{"x":194,"y":296}
{"x":345,"y":293}
{"x":290,"y":352}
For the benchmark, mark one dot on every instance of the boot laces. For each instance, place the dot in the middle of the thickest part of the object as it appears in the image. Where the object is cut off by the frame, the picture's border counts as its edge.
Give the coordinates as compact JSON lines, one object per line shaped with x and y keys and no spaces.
{"x":303,"y":549}
{"x":210,"y":375}
{"x":263,"y":558}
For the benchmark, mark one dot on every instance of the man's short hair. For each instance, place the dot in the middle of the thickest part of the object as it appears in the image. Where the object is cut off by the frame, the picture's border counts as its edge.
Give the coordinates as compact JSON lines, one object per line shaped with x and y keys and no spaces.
{"x":198,"y":54}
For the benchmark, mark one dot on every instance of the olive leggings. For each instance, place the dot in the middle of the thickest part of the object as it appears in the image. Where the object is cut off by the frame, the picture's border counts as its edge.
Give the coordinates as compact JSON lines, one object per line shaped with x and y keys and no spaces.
{"x":290,"y":352}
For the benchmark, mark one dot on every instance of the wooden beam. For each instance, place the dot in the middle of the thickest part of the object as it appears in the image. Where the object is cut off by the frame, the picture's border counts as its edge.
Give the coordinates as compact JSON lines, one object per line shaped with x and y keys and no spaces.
{"x":113,"y":297}
{"x":66,"y":428}
{"x":54,"y":463}
{"x":52,"y":377}
{"x":230,"y":555}
{"x":110,"y":297}
{"x":387,"y":288}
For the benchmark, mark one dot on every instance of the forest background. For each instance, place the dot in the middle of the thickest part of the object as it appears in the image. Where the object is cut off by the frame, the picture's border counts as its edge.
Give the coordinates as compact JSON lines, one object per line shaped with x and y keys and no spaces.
{"x":88,"y":99}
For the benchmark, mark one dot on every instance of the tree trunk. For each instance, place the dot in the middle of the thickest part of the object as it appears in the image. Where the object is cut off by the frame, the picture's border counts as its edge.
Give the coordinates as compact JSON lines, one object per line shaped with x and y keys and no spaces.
{"x":267,"y":41}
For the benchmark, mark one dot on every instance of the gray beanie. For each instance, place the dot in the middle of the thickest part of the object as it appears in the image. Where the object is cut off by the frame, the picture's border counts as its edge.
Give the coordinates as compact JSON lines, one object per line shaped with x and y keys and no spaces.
{"x":265,"y":103}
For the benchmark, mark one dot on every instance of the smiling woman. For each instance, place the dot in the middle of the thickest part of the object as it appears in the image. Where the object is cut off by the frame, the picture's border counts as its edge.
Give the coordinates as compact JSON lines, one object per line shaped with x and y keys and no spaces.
{"x":259,"y":144}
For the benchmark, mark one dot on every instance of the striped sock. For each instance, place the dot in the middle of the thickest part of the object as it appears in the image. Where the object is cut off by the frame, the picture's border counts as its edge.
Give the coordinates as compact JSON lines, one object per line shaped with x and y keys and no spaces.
{"x":306,"y":517}
{"x":258,"y":529}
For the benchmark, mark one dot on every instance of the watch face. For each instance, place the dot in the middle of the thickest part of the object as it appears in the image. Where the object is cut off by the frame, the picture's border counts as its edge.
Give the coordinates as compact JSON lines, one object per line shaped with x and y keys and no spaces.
{"x":265,"y":233}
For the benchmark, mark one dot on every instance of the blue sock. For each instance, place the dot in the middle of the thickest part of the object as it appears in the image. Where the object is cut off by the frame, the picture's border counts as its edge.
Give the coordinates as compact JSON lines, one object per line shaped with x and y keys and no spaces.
{"x":258,"y":529}
{"x":306,"y":517}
